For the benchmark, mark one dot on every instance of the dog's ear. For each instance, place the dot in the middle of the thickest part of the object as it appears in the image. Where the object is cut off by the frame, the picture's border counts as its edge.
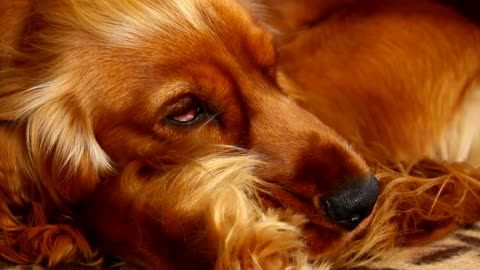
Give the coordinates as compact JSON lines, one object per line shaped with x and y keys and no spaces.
{"x":59,"y":137}
{"x":62,"y":142}
{"x":41,"y":104}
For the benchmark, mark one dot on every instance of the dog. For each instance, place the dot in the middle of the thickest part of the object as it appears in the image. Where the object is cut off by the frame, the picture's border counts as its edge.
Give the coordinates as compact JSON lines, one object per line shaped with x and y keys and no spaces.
{"x":103,"y":97}
{"x":171,"y":134}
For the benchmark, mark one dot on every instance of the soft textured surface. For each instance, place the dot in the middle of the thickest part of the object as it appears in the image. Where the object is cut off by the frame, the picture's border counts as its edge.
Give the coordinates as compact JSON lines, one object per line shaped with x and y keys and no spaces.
{"x":459,"y":251}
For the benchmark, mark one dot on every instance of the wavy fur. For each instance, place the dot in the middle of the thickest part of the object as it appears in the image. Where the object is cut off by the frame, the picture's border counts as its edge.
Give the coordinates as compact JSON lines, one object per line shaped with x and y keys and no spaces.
{"x":95,"y":163}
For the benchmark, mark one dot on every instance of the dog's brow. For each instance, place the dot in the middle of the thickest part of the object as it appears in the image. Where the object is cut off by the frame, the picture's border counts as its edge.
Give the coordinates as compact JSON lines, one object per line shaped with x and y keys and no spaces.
{"x":171,"y":90}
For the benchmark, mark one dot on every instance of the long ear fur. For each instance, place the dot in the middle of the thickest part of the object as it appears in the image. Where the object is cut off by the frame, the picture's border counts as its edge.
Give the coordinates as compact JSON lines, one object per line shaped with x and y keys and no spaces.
{"x":33,"y":228}
{"x":37,"y":98}
{"x":49,"y":156}
{"x":59,"y":136}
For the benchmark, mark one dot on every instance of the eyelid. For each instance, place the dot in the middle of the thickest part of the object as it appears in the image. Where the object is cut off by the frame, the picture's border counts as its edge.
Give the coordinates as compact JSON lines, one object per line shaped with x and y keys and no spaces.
{"x":180,"y":105}
{"x":183,"y":106}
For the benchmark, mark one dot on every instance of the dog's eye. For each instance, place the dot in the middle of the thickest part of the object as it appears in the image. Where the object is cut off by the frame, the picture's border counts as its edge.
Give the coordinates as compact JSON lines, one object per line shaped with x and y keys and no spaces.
{"x":186,"y":112}
{"x":189,"y":116}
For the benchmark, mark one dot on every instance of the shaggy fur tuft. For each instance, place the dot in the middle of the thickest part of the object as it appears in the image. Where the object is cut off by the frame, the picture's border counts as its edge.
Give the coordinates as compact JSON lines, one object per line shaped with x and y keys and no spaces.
{"x":218,"y":204}
{"x":418,"y":204}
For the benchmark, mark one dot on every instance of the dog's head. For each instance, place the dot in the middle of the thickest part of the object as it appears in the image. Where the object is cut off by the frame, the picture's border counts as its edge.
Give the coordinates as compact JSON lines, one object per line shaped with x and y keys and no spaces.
{"x":108,"y":83}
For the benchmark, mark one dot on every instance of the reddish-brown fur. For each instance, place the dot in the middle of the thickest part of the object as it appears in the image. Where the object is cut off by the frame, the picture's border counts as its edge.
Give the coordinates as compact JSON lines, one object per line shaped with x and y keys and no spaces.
{"x":393,"y":77}
{"x":88,"y":95}
{"x":379,"y":89}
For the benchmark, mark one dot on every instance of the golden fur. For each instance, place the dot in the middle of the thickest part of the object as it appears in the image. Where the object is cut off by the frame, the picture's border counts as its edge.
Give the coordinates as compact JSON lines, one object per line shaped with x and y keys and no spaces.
{"x":402,"y":78}
{"x":94,"y":96}
{"x":100,"y":92}
{"x":215,"y":206}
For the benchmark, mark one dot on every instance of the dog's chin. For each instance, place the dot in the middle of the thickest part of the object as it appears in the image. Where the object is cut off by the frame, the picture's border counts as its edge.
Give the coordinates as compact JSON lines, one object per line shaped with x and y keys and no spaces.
{"x":322,"y":236}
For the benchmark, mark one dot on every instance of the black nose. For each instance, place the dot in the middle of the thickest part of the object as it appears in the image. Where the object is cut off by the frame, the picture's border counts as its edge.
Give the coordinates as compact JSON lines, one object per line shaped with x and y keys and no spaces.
{"x":353,"y":203}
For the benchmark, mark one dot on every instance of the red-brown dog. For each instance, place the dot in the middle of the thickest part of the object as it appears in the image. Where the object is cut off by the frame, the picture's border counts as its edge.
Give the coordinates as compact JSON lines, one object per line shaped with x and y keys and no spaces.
{"x":110,"y":110}
{"x":123,"y":91}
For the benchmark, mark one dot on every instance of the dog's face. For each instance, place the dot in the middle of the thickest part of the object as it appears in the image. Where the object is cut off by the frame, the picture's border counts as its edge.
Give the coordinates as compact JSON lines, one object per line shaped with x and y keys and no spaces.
{"x":148,"y":81}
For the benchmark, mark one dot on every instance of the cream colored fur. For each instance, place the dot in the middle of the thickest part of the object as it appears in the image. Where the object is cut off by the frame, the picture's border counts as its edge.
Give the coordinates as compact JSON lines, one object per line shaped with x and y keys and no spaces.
{"x":460,"y":141}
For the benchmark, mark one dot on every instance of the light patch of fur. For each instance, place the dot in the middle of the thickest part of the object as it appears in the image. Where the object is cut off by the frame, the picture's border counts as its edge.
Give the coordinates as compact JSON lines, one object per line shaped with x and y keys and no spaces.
{"x":219,"y":194}
{"x":460,"y":141}
{"x":190,"y":11}
{"x":262,"y":13}
{"x":126,"y":22}
{"x":56,"y":129}
{"x":248,"y":238}
{"x":52,"y":126}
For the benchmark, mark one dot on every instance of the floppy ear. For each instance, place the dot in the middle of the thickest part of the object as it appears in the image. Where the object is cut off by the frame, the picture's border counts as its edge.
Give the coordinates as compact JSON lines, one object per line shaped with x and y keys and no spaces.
{"x":62,"y":143}
{"x":63,"y":153}
{"x":40,"y":101}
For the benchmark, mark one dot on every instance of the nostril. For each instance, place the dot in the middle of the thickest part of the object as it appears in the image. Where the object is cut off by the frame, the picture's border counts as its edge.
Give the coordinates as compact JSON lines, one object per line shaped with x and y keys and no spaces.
{"x":341,"y":217}
{"x":349,"y":207}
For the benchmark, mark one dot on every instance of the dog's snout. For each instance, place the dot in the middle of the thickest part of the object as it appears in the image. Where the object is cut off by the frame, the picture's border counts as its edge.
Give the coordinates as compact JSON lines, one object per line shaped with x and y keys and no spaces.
{"x":352,"y":204}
